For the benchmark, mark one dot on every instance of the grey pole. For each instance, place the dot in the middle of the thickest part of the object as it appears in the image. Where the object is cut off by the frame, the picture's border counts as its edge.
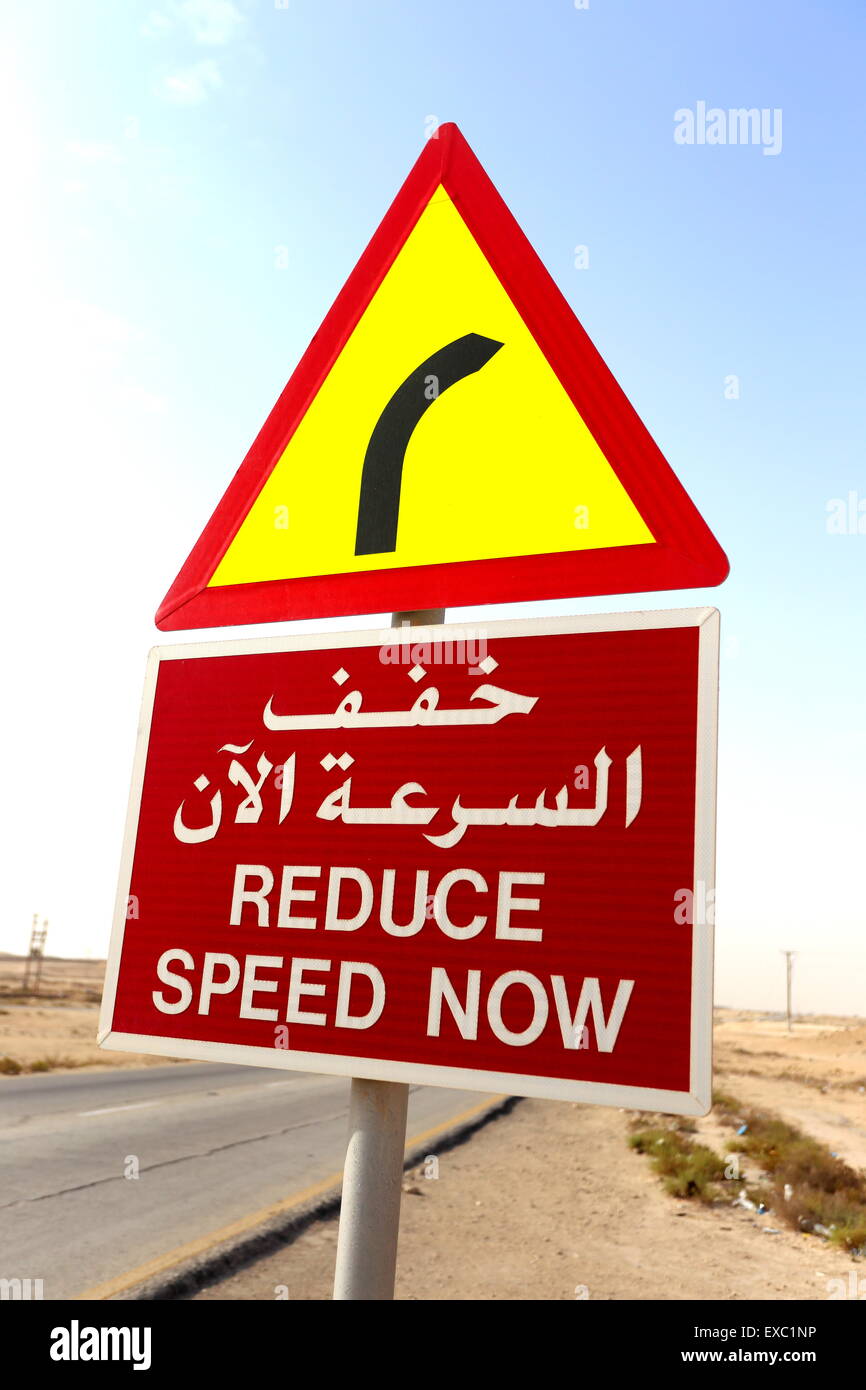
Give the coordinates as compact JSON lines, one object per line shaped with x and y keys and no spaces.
{"x":789,"y":960}
{"x":373,"y":1172}
{"x":372,"y":1187}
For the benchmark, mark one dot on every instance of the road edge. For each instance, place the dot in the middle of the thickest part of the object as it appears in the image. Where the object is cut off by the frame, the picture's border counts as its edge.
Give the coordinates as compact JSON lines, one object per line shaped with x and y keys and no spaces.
{"x":227,"y":1257}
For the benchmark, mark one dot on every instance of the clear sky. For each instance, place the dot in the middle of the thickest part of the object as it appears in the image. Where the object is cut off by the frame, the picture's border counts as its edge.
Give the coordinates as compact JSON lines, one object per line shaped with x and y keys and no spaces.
{"x":187,"y":185}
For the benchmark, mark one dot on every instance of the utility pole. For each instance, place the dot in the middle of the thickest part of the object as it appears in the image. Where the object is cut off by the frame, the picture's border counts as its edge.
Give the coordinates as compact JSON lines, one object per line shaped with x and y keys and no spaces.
{"x":789,"y":961}
{"x":33,"y":963}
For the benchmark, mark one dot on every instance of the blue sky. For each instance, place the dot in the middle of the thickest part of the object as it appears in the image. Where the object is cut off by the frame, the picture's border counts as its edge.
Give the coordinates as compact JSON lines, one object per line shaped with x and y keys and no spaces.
{"x":188,"y":185}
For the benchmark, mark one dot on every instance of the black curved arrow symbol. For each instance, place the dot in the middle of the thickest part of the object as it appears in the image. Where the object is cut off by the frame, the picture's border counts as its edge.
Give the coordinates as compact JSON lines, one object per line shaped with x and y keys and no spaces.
{"x":382,"y":475}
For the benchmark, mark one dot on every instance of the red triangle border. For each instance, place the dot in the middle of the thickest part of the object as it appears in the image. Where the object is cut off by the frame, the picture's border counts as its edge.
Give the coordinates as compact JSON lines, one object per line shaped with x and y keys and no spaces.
{"x":685,"y":555}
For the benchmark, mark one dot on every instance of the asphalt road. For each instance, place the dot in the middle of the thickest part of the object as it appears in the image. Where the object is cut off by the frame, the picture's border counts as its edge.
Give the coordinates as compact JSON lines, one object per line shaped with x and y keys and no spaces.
{"x":213,"y":1144}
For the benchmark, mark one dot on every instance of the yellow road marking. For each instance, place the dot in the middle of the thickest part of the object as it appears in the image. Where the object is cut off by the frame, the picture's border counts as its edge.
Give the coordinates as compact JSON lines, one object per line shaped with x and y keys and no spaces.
{"x":455,"y":1120}
{"x":122,"y":1282}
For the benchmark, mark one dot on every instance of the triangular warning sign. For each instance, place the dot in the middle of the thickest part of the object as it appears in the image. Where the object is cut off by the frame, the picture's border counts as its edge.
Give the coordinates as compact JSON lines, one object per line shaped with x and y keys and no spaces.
{"x":450,"y":437}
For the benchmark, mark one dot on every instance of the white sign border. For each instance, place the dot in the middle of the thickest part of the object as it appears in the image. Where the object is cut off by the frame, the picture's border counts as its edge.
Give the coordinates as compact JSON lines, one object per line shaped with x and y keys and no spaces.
{"x":696,"y":1101}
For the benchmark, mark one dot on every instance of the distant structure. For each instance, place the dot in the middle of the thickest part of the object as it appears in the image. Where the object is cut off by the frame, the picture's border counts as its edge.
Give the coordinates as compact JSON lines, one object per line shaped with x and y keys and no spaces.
{"x":33,"y":964}
{"x":789,"y":964}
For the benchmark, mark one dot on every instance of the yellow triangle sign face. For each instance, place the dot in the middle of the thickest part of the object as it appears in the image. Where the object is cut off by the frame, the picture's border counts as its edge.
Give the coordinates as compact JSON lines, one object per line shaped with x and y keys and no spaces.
{"x":509,"y":420}
{"x":450,"y":437}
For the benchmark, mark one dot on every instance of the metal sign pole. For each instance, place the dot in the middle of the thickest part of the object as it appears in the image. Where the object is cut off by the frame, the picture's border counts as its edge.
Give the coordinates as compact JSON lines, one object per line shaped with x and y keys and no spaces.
{"x":373,"y":1172}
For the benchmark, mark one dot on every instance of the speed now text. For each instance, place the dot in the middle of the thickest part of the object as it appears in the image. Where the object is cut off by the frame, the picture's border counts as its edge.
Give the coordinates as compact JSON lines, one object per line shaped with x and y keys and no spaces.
{"x":352,"y":994}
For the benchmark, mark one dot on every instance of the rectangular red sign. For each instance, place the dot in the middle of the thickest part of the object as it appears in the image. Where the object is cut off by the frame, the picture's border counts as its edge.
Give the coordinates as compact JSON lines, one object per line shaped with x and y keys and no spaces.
{"x":477,"y":857}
